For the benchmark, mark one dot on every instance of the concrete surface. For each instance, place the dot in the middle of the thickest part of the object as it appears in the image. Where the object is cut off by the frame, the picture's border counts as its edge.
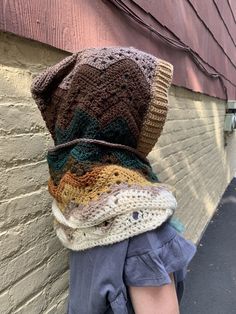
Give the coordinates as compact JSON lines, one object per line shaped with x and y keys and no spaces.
{"x":211,"y":282}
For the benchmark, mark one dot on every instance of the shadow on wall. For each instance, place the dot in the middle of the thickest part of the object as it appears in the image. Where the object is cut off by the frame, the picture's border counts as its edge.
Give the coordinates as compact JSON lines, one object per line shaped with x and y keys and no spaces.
{"x":190,"y":155}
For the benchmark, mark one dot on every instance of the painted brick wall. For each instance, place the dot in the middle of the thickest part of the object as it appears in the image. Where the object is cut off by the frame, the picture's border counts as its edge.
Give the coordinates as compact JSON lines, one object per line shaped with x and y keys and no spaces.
{"x":33,"y":264}
{"x":190,"y":154}
{"x":231,"y":152}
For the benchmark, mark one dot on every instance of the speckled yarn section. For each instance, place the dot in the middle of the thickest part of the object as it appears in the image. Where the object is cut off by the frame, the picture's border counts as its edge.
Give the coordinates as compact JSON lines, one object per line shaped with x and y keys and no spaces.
{"x":105,"y":194}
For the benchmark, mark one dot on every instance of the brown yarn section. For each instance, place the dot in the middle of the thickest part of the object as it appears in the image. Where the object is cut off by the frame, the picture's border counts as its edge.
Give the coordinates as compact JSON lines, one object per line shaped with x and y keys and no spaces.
{"x":51,"y":112}
{"x":120,"y":90}
{"x":45,"y":85}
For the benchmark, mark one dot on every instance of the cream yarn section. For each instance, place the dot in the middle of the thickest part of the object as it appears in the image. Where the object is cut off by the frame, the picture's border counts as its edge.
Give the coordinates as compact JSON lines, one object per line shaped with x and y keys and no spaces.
{"x":128,"y":213}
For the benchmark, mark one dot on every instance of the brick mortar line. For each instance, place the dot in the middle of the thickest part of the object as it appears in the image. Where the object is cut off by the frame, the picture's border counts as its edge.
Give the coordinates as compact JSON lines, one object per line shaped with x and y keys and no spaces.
{"x":31,"y":189}
{"x":194,"y":107}
{"x":64,"y":295}
{"x":15,"y":135}
{"x":37,"y":266}
{"x":196,"y":206}
{"x":19,"y":225}
{"x":193,"y":127}
{"x":180,"y":150}
{"x":6,"y":100}
{"x":182,"y":159}
{"x":189,"y":156}
{"x":194,"y":118}
{"x":20,"y":163}
{"x":184,"y":93}
{"x":212,"y":130}
{"x":30,"y":217}
{"x":193,"y":170}
{"x":189,"y":213}
{"x":21,"y":304}
{"x":33,"y":164}
{"x":43,"y":188}
{"x":189,"y":138}
{"x":33,"y":298}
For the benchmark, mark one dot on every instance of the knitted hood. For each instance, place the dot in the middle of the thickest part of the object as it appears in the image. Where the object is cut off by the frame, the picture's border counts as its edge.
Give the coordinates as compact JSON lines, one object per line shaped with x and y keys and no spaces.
{"x":105,"y":109}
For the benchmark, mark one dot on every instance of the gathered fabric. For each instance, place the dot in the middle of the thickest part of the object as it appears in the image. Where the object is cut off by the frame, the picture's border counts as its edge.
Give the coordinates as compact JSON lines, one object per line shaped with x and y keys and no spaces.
{"x":105,"y":109}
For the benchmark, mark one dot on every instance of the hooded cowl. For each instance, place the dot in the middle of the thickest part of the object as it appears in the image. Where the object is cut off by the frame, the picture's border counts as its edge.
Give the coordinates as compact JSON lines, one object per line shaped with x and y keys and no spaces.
{"x":105,"y":109}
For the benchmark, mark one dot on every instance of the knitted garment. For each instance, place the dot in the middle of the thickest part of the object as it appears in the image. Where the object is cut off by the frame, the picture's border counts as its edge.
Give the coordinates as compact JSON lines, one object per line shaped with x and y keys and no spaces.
{"x":105,"y":109}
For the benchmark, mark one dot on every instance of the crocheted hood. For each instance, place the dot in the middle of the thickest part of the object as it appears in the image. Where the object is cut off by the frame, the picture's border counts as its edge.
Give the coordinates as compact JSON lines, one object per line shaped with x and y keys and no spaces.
{"x":105,"y":109}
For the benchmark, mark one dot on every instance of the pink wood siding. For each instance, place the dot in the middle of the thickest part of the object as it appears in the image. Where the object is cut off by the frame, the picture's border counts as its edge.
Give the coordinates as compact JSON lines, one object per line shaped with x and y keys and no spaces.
{"x":207,"y":27}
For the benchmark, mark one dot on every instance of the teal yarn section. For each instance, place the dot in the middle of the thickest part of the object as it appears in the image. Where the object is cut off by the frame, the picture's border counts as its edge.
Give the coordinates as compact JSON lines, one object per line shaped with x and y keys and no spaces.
{"x":177,"y":224}
{"x":117,"y":132}
{"x":82,"y":125}
{"x":87,"y":153}
{"x":131,"y":161}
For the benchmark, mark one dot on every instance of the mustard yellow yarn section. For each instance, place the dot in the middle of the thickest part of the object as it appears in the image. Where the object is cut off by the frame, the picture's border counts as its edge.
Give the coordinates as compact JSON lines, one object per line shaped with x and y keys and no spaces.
{"x":100,"y":181}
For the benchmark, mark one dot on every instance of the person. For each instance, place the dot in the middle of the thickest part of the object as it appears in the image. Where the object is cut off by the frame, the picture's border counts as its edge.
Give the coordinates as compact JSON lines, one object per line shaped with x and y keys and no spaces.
{"x":105,"y":109}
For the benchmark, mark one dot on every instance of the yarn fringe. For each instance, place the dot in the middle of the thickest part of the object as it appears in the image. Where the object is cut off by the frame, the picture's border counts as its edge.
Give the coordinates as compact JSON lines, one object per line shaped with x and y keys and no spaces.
{"x":177,"y":224}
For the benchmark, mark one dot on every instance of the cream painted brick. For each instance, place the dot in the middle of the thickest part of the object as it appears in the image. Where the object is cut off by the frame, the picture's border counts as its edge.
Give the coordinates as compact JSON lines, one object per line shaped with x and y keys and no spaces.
{"x":10,"y":243}
{"x":18,"y":149}
{"x":184,"y":93}
{"x":57,"y":289}
{"x":60,"y":307}
{"x":230,"y":153}
{"x":178,"y":114}
{"x":17,"y":118}
{"x":29,"y":285}
{"x":5,"y":303}
{"x":172,"y":126}
{"x":14,"y":269}
{"x":196,"y":171}
{"x":183,"y":145}
{"x":58,"y":264}
{"x":35,"y":305}
{"x":24,"y":207}
{"x":36,"y":280}
{"x":31,"y":231}
{"x":19,"y":52}
{"x":187,"y":157}
{"x":22,"y":179}
{"x":15,"y":82}
{"x":17,"y":239}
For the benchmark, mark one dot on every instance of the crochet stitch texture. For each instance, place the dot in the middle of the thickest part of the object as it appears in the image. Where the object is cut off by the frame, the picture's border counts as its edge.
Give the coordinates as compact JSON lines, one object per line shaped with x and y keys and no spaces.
{"x":105,"y":194}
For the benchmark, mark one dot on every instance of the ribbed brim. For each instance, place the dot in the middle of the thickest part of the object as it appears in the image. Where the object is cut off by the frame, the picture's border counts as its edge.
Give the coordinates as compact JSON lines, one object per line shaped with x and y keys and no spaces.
{"x":156,"y":114}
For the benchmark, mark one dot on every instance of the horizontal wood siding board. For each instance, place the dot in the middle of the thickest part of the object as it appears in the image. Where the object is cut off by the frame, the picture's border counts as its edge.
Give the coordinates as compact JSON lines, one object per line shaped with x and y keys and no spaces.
{"x":75,"y":25}
{"x":217,"y":38}
{"x":224,"y":8}
{"x":232,"y":6}
{"x":189,"y":28}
